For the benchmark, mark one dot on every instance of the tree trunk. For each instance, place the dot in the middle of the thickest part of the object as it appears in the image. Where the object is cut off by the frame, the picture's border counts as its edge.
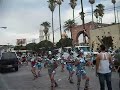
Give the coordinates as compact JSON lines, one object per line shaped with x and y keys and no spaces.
{"x":83,"y":22}
{"x":73,"y":15}
{"x":114,"y":13}
{"x":60,"y":22}
{"x":71,"y":32}
{"x":52,"y":27}
{"x":45,"y":36}
{"x":71,"y":36}
{"x":101,"y":20}
{"x":92,"y":12}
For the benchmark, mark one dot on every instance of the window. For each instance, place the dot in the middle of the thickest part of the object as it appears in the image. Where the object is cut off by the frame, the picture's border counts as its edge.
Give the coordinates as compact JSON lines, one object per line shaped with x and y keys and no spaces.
{"x":86,"y":49}
{"x":9,"y":55}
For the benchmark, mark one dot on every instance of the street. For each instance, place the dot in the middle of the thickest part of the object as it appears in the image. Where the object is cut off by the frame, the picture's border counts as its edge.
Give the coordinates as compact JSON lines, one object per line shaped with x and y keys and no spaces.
{"x":23,"y":80}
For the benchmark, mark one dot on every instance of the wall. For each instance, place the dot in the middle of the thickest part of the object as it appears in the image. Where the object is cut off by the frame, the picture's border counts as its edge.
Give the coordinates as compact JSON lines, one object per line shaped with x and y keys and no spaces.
{"x":112,"y":30}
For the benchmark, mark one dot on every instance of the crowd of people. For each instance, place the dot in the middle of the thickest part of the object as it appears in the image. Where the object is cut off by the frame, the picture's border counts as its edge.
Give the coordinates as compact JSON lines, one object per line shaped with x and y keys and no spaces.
{"x":75,"y":62}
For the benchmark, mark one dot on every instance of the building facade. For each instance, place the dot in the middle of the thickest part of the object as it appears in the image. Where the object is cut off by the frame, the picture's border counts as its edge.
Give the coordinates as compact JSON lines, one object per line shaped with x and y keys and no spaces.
{"x":77,"y":30}
{"x":99,"y":33}
{"x":42,"y":35}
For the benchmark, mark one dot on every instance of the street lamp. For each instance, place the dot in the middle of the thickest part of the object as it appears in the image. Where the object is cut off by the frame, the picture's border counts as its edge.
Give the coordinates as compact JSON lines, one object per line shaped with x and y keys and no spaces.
{"x":83,"y":22}
{"x":114,"y":1}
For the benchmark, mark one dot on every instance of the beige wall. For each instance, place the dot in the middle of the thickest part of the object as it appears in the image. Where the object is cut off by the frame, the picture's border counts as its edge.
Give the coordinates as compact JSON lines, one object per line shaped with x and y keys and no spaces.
{"x":114,"y":32}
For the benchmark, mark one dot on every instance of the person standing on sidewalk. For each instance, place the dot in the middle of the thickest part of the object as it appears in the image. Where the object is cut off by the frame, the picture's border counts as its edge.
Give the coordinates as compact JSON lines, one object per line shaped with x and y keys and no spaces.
{"x":103,"y":62}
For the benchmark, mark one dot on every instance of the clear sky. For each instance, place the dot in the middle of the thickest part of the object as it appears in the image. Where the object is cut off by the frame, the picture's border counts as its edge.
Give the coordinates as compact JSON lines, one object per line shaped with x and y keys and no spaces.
{"x":23,"y":17}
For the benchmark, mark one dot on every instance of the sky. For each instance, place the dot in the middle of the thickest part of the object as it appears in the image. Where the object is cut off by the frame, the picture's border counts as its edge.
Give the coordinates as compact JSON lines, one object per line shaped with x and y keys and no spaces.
{"x":23,"y":18}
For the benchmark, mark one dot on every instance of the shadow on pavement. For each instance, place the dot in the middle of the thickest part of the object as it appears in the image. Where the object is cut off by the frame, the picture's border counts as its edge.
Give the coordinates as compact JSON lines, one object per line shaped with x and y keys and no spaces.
{"x":5,"y":71}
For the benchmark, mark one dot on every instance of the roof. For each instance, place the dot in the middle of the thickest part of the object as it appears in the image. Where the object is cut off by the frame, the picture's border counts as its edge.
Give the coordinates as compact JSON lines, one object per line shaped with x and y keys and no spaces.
{"x":92,"y":25}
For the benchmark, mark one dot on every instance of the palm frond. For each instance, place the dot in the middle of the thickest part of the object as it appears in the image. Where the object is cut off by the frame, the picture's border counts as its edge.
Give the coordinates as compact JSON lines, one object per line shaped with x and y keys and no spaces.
{"x":46,"y":24}
{"x":69,"y":24}
{"x":52,"y":5}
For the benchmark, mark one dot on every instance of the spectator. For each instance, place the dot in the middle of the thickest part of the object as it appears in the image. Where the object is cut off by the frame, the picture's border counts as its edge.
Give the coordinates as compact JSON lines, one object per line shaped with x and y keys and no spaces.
{"x":103,"y":70}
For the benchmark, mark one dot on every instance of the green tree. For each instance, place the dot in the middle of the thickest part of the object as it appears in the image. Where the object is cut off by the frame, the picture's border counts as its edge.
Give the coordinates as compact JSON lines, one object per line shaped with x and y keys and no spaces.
{"x":96,"y":14}
{"x":31,"y":46}
{"x":46,"y":26}
{"x":45,"y":44}
{"x":64,"y":42}
{"x":52,"y":5}
{"x":92,"y":2}
{"x":17,"y":47}
{"x":73,"y":5}
{"x":68,"y":25}
{"x":100,"y":11}
{"x":20,"y":47}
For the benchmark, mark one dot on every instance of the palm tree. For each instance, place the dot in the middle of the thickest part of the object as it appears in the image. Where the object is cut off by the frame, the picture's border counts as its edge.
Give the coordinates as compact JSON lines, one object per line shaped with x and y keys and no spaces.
{"x":100,"y":8}
{"x":114,"y":1}
{"x":59,"y":2}
{"x":92,"y":2}
{"x":52,"y":5}
{"x":73,"y":4}
{"x":46,"y":26}
{"x":96,"y":13}
{"x":69,"y":24}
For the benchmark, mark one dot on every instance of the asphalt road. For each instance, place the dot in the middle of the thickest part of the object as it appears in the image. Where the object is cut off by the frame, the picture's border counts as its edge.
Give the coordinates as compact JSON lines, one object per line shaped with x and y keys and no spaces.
{"x":23,"y":80}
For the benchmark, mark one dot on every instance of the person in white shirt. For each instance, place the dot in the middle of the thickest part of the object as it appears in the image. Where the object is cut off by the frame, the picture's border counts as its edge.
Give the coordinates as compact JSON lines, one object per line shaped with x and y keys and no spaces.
{"x":103,"y":62}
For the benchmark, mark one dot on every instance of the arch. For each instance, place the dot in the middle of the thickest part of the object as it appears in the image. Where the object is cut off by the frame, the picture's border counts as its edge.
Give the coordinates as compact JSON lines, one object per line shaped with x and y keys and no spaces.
{"x":78,"y":34}
{"x":77,"y":30}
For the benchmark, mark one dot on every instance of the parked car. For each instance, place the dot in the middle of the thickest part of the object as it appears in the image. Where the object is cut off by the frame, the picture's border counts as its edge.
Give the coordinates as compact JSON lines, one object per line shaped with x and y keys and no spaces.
{"x":8,"y":60}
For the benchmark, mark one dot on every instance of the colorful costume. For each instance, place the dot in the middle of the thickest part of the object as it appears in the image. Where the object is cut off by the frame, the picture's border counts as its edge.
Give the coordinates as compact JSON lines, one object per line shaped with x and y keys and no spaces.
{"x":80,"y":72}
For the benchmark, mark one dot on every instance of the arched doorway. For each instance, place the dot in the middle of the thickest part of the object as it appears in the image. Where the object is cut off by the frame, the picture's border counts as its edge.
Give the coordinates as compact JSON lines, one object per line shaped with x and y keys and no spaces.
{"x":79,"y":38}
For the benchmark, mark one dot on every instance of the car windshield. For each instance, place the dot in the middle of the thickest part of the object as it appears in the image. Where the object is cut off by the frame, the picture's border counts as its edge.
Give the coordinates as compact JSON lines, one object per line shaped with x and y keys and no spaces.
{"x":86,"y":49}
{"x":8,"y":55}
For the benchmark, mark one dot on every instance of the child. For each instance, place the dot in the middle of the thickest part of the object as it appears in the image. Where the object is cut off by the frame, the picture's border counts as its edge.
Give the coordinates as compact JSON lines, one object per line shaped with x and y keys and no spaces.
{"x":52,"y":65}
{"x":33,"y":65}
{"x":39,"y":65}
{"x":80,"y":71}
{"x":69,"y":67}
{"x":62,"y":64}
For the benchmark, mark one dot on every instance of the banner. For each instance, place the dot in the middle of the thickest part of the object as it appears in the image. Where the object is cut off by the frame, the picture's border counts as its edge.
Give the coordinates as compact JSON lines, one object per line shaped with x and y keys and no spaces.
{"x":21,"y":42}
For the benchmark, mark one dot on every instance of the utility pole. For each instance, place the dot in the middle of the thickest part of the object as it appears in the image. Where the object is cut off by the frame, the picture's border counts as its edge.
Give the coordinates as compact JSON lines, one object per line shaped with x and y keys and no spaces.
{"x":83,"y":22}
